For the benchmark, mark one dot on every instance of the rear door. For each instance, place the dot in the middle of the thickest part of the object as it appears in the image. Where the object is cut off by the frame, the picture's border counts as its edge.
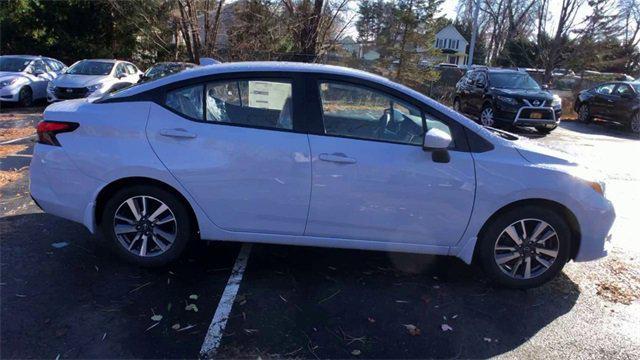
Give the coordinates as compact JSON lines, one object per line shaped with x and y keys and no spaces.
{"x":237,"y":146}
{"x":371,"y":178}
{"x":477,"y":93}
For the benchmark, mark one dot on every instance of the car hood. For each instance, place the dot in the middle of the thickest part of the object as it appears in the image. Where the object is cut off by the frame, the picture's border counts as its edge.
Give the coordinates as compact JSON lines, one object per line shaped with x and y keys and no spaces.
{"x":540,"y":94}
{"x":6,"y":75}
{"x":540,"y":155}
{"x":72,"y":80}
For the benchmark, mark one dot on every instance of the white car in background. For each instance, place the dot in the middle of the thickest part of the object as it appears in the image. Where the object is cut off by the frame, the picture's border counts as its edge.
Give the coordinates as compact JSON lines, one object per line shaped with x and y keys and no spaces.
{"x":24,"y":78}
{"x":93,"y":78}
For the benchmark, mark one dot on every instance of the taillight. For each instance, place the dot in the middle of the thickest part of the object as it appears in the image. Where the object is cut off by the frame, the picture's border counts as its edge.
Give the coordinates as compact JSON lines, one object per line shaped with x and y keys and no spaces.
{"x":47,"y":131}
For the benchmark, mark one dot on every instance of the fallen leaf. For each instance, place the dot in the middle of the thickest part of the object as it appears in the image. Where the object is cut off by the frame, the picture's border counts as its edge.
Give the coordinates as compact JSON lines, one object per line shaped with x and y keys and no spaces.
{"x":356,"y":352}
{"x":454,"y":316}
{"x":104,"y":336}
{"x":402,"y":301}
{"x":186,"y":328}
{"x":156,"y":317}
{"x":193,"y":297}
{"x":487,"y":339}
{"x":371,"y":320}
{"x":250,"y":331}
{"x":283,"y":299}
{"x":191,"y":307}
{"x":412,"y":329}
{"x":60,"y":245}
{"x":152,"y":326}
{"x":446,"y":327}
{"x":175,"y":326}
{"x":436,"y":286}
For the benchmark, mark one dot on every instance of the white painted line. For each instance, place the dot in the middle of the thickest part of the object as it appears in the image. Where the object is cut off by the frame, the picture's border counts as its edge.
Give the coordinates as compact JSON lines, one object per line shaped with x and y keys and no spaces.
{"x":219,"y":322}
{"x":16,"y":140}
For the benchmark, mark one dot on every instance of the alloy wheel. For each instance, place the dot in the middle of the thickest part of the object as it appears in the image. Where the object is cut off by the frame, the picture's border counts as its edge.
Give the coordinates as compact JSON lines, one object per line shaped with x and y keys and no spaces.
{"x":486,"y":117}
{"x":145,"y":226}
{"x":583,"y":113}
{"x":526,"y":249}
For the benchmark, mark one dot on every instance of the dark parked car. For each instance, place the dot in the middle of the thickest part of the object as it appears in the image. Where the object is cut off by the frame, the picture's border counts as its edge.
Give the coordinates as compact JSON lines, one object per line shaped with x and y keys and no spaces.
{"x":617,"y":101}
{"x":507,"y":97}
{"x":163,"y":69}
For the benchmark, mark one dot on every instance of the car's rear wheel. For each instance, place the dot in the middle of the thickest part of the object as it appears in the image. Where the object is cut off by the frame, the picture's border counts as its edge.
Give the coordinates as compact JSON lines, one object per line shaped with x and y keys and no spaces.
{"x":634,"y":123}
{"x":584,"y":114}
{"x":25,"y":96}
{"x":525,"y":247}
{"x":487,"y":116}
{"x":146,"y":225}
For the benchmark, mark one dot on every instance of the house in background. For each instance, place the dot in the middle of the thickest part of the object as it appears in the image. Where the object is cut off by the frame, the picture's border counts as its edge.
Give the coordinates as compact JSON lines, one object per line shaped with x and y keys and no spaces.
{"x":452,"y":45}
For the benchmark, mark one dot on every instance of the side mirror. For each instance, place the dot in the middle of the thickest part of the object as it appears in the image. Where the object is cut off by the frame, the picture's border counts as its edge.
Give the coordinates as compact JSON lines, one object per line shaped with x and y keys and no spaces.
{"x":437,"y":141}
{"x":545,"y":87}
{"x":120,"y":76}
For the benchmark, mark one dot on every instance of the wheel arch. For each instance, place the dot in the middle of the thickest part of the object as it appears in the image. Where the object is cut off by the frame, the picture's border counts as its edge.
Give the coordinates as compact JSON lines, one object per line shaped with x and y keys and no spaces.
{"x":564,"y":211}
{"x":118,"y":184}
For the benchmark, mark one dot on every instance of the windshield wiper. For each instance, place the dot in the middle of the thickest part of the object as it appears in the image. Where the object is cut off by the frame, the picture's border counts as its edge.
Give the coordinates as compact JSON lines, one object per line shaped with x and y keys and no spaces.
{"x":503,"y":134}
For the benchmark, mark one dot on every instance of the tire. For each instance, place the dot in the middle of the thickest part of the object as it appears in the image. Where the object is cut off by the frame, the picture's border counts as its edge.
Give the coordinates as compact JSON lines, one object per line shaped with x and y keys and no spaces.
{"x":584,"y":114}
{"x":496,"y":245}
{"x":25,"y":96}
{"x":456,"y":105}
{"x":544,"y":130}
{"x":487,"y":116}
{"x":634,"y":123}
{"x":157,"y":234}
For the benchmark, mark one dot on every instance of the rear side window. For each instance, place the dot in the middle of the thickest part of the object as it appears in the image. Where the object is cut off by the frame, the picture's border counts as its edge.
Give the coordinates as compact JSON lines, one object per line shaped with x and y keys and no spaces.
{"x":130,"y":69}
{"x":605,"y":89}
{"x":255,"y":103}
{"x":187,"y":101}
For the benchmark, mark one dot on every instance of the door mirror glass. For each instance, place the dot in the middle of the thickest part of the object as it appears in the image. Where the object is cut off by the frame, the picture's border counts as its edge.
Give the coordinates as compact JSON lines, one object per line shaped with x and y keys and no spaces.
{"x":436,"y":139}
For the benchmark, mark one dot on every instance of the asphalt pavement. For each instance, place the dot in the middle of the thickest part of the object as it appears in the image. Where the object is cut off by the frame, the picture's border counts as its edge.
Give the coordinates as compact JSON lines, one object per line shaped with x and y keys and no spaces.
{"x":64,"y":294}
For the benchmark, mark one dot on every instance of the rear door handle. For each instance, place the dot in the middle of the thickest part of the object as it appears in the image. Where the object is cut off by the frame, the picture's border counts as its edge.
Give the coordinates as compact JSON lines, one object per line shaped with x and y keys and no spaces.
{"x":177,"y":133}
{"x":337,"y":158}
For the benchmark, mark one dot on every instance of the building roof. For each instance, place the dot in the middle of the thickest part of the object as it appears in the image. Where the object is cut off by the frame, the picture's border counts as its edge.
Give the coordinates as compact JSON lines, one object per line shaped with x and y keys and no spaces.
{"x":451,"y":27}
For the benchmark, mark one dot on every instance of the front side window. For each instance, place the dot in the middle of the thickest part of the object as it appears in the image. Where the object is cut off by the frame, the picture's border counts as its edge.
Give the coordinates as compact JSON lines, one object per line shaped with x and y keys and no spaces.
{"x":605,"y":89}
{"x":186,"y":101}
{"x":130,"y":69}
{"x":256,"y":103}
{"x":359,"y":112}
{"x":13,"y":64}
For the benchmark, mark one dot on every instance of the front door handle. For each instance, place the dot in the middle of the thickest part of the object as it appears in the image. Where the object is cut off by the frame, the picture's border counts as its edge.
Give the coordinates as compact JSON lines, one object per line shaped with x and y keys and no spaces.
{"x":337,"y":158}
{"x":177,"y":133}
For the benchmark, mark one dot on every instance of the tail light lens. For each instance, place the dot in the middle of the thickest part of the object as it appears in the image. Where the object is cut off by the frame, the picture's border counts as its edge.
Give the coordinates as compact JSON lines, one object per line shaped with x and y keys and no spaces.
{"x":47,"y":131}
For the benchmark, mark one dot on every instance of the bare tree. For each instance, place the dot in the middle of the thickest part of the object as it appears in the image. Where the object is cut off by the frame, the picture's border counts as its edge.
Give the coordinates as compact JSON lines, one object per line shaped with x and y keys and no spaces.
{"x":566,"y":23}
{"x":629,"y":11}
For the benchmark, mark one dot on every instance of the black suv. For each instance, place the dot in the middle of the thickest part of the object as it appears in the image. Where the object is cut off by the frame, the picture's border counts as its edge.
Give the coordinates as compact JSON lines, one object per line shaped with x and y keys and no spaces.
{"x":507,"y":97}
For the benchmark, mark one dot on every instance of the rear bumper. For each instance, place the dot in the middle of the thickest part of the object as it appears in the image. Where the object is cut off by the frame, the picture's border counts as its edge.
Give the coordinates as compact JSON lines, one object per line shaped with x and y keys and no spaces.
{"x":59,"y":188}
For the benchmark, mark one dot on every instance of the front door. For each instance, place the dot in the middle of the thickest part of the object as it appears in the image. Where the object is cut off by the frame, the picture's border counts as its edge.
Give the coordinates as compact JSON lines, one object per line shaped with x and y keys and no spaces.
{"x":373,"y":181}
{"x":241,"y":157}
{"x":624,"y":98}
{"x":603,"y":100}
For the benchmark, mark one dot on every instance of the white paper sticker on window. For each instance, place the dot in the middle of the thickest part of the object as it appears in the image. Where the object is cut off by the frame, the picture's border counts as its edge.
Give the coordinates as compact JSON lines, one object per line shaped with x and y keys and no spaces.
{"x":268,"y":95}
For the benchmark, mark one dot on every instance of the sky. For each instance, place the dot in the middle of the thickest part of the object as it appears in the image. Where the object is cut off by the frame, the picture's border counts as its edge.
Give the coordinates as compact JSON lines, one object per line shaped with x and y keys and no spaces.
{"x":448,"y":9}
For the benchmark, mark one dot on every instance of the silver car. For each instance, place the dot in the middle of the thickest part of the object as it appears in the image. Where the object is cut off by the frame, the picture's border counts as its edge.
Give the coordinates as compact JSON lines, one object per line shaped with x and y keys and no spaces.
{"x":24,"y":78}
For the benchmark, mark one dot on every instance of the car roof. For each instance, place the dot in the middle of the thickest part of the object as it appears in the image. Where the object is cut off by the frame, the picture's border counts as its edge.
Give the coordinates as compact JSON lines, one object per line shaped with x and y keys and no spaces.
{"x":257,"y":66}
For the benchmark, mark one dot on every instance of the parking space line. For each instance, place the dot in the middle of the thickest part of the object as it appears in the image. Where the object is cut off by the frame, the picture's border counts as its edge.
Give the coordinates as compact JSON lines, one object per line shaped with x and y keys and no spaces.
{"x":219,"y":322}
{"x":17,"y":140}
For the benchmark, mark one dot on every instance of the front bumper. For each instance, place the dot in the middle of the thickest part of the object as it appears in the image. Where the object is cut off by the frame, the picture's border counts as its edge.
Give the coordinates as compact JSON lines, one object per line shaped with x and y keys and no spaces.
{"x":9,"y":93}
{"x":524,"y":115}
{"x":596,"y":233}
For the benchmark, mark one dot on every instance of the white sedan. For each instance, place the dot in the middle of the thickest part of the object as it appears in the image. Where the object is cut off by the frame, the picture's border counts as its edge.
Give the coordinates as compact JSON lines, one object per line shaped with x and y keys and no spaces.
{"x":24,"y":78}
{"x":304,"y":154}
{"x":93,"y":78}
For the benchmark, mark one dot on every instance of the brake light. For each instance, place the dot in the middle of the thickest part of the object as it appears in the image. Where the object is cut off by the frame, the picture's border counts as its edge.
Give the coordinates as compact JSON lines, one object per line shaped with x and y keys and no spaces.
{"x":47,"y":131}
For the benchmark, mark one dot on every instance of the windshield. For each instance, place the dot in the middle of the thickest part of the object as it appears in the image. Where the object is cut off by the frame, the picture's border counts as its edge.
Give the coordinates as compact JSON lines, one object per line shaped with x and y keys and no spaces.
{"x":13,"y":64}
{"x":513,"y":81}
{"x":91,"y":68}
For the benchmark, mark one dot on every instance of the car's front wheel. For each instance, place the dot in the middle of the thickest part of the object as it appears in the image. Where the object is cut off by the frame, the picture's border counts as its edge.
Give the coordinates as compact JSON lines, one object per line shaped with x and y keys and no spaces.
{"x":146,"y":225}
{"x":525,"y":247}
{"x":584,"y":114}
{"x":487,"y":116}
{"x":25,"y":96}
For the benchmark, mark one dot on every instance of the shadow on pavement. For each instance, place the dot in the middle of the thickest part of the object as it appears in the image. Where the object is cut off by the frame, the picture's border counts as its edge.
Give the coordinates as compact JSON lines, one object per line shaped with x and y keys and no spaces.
{"x":600,"y":128}
{"x":328,"y":303}
{"x":63,"y":293}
